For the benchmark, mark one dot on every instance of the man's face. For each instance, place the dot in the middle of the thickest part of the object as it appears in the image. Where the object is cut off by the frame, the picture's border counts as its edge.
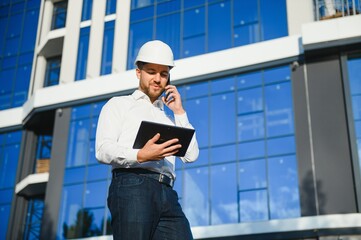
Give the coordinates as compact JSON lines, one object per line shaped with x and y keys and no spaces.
{"x":152,"y":79}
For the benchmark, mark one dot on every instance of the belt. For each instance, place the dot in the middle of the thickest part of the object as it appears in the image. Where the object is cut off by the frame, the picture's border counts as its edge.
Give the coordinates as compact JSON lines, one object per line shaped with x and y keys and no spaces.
{"x":160,"y":177}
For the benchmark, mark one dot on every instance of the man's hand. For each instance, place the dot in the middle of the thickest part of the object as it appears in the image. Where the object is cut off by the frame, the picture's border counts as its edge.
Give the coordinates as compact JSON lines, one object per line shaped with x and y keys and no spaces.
{"x":154,"y":152}
{"x":173,"y":99}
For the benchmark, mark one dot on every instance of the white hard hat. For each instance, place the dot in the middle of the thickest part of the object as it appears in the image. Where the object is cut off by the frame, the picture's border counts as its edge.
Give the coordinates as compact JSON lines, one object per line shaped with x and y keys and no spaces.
{"x":155,"y":52}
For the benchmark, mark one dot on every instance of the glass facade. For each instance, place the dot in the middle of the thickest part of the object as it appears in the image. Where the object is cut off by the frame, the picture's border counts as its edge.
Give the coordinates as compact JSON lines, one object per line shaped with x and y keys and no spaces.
{"x":83,"y":212}
{"x":52,"y":74}
{"x":87,"y":10}
{"x":83,"y":49}
{"x":59,"y":14}
{"x":354,"y":74}
{"x":247,"y":170}
{"x":107,"y":54}
{"x":34,"y":219}
{"x":245,"y":131}
{"x":110,"y":7}
{"x":197,"y":27}
{"x":9,"y":154}
{"x":18,"y":27}
{"x":244,"y":126}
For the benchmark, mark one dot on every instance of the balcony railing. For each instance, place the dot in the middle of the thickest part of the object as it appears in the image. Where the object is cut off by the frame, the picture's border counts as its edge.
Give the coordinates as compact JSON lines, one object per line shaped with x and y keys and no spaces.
{"x":327,"y":9}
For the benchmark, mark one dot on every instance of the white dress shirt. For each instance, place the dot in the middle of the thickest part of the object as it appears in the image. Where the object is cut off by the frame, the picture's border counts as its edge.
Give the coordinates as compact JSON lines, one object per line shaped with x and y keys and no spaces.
{"x":118,"y":125}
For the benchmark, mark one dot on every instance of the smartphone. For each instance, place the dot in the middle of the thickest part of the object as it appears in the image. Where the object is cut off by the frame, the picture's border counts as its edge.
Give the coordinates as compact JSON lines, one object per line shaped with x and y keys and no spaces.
{"x":167,"y":95}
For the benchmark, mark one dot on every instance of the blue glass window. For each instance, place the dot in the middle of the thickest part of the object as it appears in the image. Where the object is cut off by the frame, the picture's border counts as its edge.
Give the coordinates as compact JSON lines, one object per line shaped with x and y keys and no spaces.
{"x":243,"y":124}
{"x":275,"y":25}
{"x":30,"y":27}
{"x":59,"y":15}
{"x":52,"y":72}
{"x":354,"y":75}
{"x":110,"y":7}
{"x":253,"y":206}
{"x":139,"y":33}
{"x":170,"y":28}
{"x":85,"y":180}
{"x":6,"y":82}
{"x":223,"y":116}
{"x":33,"y":219}
{"x":82,"y":59}
{"x":107,"y":55}
{"x":9,"y":154}
{"x":224,"y":205}
{"x":284,"y":196}
{"x":219,"y":26}
{"x":200,"y":26}
{"x":252,"y":175}
{"x":18,"y":26}
{"x":195,"y":196}
{"x":87,"y":10}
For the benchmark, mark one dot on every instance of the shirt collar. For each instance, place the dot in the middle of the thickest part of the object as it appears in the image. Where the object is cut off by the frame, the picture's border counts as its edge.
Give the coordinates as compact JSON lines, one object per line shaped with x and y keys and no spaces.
{"x":137,"y":95}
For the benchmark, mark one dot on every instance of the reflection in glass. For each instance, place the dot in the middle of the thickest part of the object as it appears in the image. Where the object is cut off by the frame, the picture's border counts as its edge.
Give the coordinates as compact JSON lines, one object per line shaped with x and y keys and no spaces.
{"x":224,"y":194}
{"x":244,"y":126}
{"x":253,"y":206}
{"x":354,"y":74}
{"x":195,"y":196}
{"x":279,"y":114}
{"x":251,"y":127}
{"x":242,"y":120}
{"x":252,"y":174}
{"x":223,"y":118}
{"x":283,"y":187}
{"x":83,"y":212}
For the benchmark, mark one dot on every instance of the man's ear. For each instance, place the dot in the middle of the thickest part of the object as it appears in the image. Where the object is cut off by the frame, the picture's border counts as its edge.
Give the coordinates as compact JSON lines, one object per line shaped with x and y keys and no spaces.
{"x":137,"y":71}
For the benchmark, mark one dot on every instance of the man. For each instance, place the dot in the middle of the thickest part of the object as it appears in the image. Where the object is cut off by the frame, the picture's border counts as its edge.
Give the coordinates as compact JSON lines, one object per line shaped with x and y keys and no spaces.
{"x":141,"y":199}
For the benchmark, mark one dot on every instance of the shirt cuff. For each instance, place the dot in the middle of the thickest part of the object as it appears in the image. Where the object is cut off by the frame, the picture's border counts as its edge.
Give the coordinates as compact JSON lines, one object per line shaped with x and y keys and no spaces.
{"x":131,"y":155}
{"x":181,"y":120}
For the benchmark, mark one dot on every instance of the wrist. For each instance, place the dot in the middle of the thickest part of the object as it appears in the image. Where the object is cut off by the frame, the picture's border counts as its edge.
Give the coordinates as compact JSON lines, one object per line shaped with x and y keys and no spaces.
{"x":140,"y":158}
{"x":179,"y":111}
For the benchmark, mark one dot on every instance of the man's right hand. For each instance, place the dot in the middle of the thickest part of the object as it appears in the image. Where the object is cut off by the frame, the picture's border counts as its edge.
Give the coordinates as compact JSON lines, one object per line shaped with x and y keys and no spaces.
{"x":155,"y":152}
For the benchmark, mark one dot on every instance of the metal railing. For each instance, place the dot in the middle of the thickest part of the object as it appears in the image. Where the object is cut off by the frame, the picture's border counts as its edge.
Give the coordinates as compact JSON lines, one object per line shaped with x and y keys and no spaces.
{"x":327,"y":9}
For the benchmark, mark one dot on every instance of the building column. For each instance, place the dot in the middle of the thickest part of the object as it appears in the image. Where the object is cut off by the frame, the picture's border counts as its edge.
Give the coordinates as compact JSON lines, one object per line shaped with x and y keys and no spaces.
{"x":96,"y":39}
{"x":54,"y":186}
{"x":120,"y":50}
{"x":39,"y":62}
{"x":299,"y":12}
{"x":71,"y":41}
{"x":326,"y":178}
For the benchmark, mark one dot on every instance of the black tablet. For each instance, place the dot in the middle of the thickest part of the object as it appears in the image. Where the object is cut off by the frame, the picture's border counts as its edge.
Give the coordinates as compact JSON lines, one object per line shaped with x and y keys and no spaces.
{"x":147,"y":130}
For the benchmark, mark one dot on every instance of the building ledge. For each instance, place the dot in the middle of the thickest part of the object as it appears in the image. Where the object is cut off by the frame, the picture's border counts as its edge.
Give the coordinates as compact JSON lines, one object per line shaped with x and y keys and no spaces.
{"x":33,"y":185}
{"x":328,"y":224}
{"x":331,"y":33}
{"x":345,"y":226}
{"x":53,"y":44}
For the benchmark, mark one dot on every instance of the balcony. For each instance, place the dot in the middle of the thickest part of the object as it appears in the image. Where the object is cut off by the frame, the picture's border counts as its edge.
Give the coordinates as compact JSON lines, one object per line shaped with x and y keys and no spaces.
{"x":328,"y":9}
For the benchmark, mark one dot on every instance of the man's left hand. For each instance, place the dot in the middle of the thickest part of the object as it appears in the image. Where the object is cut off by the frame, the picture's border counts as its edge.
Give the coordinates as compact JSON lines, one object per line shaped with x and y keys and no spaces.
{"x":173,"y":99}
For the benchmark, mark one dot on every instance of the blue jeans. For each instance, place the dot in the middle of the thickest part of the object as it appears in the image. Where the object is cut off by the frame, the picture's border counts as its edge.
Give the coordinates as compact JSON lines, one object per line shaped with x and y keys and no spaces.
{"x":142,"y":208}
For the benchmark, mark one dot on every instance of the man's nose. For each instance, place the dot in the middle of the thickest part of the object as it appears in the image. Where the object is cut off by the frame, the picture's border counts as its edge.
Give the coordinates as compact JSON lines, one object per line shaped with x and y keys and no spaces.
{"x":157,"y":77}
